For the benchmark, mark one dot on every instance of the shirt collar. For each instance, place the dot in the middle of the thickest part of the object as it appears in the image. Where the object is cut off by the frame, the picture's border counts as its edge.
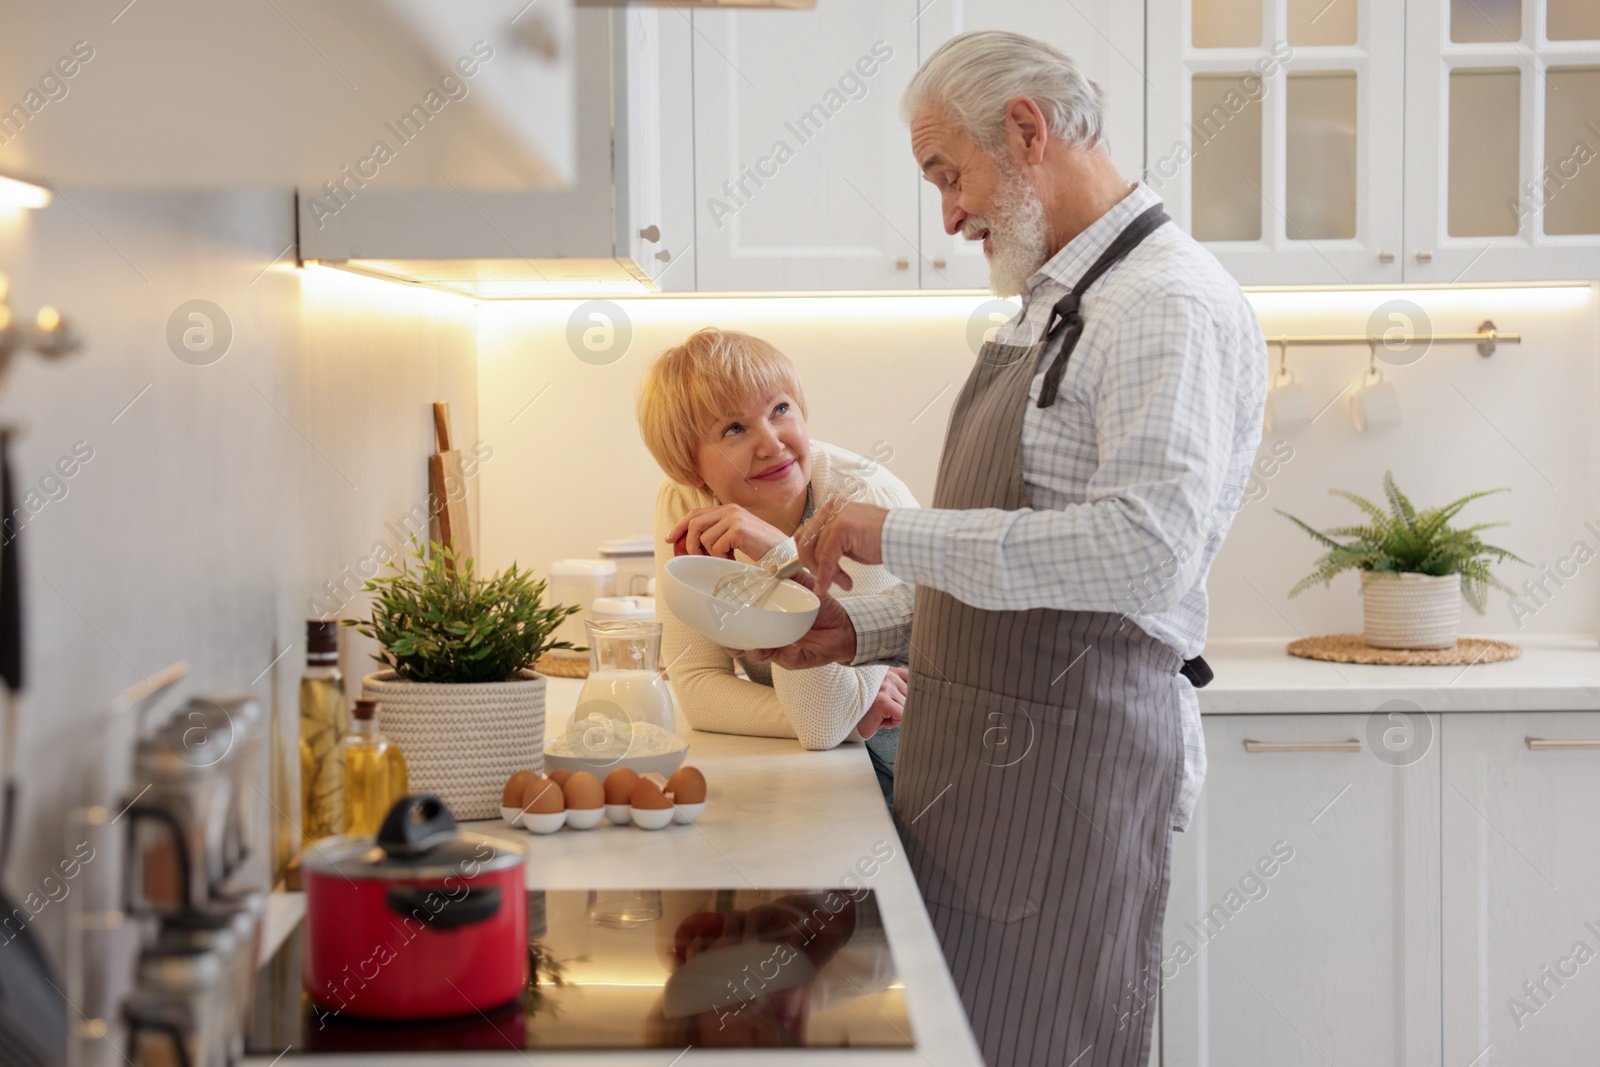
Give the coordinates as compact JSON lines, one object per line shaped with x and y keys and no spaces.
{"x":1080,"y":253}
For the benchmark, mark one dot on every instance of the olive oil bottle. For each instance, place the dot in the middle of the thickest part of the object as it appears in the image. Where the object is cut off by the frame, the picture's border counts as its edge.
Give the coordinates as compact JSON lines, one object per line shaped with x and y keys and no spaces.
{"x":374,"y":772}
{"x":324,"y":723}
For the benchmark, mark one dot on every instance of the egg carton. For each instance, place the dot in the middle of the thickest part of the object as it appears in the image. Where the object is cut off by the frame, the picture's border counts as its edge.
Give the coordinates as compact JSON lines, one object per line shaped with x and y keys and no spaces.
{"x":575,"y":795}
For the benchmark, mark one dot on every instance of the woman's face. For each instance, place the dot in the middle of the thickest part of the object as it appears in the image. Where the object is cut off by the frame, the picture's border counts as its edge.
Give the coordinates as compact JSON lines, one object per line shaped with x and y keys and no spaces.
{"x":758,"y":458}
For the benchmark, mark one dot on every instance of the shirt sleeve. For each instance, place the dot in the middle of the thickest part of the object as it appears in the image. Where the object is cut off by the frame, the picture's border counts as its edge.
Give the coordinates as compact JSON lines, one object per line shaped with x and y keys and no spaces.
{"x":1160,"y":410}
{"x":882,"y":623}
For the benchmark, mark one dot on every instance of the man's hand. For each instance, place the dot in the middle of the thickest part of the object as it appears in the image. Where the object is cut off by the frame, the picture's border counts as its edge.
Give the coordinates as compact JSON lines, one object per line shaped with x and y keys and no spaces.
{"x":717,"y":531}
{"x":831,"y":639}
{"x":890,"y":706}
{"x":838,"y":530}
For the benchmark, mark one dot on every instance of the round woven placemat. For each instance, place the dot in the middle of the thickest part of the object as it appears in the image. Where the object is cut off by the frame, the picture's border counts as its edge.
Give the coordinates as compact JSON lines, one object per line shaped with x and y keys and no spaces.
{"x":563,"y":666}
{"x":1351,"y":648}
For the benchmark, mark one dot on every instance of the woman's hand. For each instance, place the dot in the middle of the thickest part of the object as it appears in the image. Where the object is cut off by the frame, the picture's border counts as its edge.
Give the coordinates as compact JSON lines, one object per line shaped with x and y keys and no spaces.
{"x":890,"y":706}
{"x":717,"y":531}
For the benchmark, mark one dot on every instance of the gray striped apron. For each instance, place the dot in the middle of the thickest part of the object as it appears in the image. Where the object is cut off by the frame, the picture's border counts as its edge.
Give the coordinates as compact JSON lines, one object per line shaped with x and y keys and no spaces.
{"x":1039,"y":759}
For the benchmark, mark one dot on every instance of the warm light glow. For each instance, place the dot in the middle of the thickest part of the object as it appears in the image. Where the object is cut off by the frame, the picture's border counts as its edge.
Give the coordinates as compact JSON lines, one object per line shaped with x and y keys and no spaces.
{"x":351,"y":285}
{"x":47,"y":319}
{"x":17,"y":193}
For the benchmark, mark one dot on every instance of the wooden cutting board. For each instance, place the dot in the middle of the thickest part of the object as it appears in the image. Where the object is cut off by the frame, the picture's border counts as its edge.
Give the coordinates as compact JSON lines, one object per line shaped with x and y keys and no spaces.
{"x":448,"y":483}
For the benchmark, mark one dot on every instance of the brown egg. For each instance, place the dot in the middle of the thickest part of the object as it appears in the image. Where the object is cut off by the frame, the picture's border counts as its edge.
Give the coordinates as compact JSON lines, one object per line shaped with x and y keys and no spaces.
{"x":560,"y":777}
{"x":583,"y":791}
{"x":543,"y":797}
{"x":647,"y":796}
{"x":511,"y":796}
{"x":619,"y":785}
{"x":687,"y":786}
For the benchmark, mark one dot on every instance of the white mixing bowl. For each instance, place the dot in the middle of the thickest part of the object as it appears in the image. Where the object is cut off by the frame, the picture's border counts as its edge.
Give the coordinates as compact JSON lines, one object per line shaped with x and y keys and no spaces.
{"x":782,"y":620}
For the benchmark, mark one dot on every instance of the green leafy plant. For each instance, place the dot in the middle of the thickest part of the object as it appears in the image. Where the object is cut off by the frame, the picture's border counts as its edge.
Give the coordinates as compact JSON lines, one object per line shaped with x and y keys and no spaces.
{"x":1404,"y":540}
{"x":437,"y":622}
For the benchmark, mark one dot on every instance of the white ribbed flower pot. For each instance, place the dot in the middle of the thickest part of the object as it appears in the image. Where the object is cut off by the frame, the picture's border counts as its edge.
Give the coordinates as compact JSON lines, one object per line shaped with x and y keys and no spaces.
{"x":462,"y":742}
{"x":1410,"y":610}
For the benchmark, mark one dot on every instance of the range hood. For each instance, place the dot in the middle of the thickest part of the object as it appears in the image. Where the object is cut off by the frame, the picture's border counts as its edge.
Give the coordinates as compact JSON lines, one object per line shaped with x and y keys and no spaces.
{"x":601,"y":235}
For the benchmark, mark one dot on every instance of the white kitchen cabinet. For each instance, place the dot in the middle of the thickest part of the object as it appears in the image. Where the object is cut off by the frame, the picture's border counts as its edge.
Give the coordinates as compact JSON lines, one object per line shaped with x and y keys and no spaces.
{"x":1275,"y":134}
{"x":1104,"y":38}
{"x":1302,"y":926}
{"x":1503,"y":123}
{"x":625,"y":222}
{"x":1521,"y":900}
{"x":188,"y":94}
{"x":804,"y":177}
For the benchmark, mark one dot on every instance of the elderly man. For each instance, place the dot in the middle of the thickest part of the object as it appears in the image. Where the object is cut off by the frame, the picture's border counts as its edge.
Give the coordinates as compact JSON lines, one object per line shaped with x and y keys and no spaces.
{"x":1091,"y":466}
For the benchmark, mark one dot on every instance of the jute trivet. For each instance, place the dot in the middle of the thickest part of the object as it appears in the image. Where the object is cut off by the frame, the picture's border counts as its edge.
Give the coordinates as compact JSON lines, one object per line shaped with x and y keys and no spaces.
{"x":1351,"y":648}
{"x":563,"y":666}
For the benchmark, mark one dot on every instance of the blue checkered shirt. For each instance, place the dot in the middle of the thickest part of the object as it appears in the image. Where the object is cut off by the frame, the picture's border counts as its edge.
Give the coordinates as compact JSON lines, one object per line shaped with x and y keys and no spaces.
{"x":1134,"y":474}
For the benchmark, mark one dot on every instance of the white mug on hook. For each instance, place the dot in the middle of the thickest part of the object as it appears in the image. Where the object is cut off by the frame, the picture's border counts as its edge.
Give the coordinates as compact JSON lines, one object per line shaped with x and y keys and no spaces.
{"x":1375,"y":405}
{"x":1288,"y":406}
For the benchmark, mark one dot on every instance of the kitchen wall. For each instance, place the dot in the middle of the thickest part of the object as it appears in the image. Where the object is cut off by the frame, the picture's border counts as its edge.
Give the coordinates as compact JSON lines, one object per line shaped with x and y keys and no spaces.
{"x":882,"y":372}
{"x":214,"y":501}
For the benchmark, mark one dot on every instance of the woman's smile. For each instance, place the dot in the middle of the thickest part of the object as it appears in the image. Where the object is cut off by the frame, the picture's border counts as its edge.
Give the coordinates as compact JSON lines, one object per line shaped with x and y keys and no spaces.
{"x":775,"y":472}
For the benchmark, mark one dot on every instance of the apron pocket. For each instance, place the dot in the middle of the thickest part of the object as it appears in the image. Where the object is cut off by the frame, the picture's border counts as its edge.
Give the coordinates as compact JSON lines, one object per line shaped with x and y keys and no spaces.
{"x":976,"y":795}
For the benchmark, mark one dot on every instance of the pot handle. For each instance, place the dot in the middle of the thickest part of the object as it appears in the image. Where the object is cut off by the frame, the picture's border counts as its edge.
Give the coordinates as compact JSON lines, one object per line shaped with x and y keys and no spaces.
{"x":415,"y":824}
{"x":477,"y":905}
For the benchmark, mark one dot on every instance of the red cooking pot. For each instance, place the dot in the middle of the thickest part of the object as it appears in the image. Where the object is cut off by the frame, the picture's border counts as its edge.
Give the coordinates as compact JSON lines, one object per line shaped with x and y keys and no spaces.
{"x":424,"y":921}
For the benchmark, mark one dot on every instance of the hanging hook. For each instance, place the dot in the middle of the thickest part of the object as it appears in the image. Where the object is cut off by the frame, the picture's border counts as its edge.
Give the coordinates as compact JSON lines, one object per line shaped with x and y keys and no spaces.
{"x":1372,"y":357}
{"x":1283,"y":358}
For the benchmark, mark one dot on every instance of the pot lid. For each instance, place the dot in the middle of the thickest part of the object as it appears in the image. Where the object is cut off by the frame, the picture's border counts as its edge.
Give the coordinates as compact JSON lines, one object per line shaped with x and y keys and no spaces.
{"x":419,"y":839}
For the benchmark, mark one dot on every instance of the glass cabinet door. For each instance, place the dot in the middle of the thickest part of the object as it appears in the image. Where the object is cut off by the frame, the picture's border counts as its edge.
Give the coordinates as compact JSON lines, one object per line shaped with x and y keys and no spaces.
{"x":1503,"y":164}
{"x":1274,"y":133}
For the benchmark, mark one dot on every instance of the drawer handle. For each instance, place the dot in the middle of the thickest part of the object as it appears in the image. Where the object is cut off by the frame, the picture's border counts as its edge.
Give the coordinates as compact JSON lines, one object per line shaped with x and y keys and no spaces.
{"x":1541,"y":744}
{"x":1351,"y":745}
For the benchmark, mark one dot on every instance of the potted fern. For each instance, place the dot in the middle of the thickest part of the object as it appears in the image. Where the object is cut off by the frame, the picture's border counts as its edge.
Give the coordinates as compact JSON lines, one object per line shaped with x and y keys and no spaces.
{"x":460,"y":697}
{"x":1415,"y":568}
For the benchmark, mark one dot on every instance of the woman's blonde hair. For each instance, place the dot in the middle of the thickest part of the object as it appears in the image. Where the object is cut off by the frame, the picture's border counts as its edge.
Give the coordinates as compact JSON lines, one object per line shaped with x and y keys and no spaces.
{"x":693,"y":386}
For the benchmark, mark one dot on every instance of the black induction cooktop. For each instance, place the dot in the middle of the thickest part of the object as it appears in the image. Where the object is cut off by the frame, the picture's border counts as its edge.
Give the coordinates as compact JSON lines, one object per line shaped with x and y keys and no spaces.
{"x":646,"y":968}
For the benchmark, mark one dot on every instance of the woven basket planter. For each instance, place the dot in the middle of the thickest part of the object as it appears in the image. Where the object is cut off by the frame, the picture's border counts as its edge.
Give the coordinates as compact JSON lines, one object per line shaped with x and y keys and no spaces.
{"x":462,"y":742}
{"x":1410,"y":610}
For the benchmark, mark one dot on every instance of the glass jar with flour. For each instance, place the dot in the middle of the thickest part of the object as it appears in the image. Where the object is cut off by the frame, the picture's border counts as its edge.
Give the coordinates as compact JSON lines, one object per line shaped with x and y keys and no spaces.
{"x":625,"y":673}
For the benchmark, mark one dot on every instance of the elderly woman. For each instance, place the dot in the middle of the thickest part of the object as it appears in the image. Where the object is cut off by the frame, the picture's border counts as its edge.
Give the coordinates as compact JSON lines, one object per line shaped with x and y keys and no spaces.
{"x":725,"y":417}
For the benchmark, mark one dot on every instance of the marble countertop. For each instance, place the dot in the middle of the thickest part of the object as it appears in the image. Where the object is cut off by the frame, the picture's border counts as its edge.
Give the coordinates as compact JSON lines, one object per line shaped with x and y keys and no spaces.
{"x":1253,"y":676}
{"x":776,"y":816}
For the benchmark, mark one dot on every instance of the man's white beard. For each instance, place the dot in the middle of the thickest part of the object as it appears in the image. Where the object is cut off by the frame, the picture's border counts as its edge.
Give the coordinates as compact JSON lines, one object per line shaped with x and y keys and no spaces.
{"x":1018,"y":233}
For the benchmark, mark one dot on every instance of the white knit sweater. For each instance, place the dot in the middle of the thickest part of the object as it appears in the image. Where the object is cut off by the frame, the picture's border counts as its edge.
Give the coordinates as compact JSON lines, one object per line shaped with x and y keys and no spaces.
{"x":820,"y":706}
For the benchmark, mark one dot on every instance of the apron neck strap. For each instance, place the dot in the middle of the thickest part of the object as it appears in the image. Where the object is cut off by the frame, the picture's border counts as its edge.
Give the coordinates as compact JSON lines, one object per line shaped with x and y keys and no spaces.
{"x":1066,"y":313}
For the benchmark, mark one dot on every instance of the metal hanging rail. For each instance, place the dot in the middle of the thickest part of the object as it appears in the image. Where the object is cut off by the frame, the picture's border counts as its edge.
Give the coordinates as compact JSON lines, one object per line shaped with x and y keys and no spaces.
{"x":1488,"y":338}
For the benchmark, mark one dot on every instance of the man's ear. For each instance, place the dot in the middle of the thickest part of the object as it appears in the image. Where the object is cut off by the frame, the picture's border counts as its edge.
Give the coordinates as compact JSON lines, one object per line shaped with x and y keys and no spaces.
{"x":1024,"y":115}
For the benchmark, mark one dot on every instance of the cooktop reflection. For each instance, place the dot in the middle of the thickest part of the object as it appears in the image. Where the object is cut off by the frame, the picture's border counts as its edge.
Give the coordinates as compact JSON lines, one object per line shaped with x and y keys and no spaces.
{"x":646,"y":968}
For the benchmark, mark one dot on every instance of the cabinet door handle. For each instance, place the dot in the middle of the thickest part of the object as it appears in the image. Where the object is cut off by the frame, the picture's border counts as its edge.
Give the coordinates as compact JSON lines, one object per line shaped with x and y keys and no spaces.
{"x":651,"y":233}
{"x":1351,"y":745}
{"x":1386,"y":256}
{"x":902,"y":263}
{"x":1424,"y":256}
{"x":938,"y":263}
{"x":1541,"y":744}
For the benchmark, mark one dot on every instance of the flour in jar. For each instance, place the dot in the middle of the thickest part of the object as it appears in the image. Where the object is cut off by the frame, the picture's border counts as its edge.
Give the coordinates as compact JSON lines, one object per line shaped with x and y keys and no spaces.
{"x":601,"y":736}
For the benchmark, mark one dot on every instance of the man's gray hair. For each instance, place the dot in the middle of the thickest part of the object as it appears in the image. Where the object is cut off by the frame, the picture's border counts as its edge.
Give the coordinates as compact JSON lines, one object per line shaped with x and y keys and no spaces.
{"x":973,"y":76}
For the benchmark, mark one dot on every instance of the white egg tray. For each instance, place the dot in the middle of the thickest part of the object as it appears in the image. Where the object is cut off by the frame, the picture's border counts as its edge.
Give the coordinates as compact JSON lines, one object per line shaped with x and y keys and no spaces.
{"x":615,"y":814}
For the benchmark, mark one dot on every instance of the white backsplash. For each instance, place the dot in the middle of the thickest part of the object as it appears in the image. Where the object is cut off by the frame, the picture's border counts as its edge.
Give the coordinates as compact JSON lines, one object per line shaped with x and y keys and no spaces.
{"x":882,"y":372}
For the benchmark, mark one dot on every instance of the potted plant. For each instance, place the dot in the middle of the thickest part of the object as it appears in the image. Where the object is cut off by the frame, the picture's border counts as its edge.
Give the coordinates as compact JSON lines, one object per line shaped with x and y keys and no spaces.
{"x":460,"y":696}
{"x":1414,"y":567}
